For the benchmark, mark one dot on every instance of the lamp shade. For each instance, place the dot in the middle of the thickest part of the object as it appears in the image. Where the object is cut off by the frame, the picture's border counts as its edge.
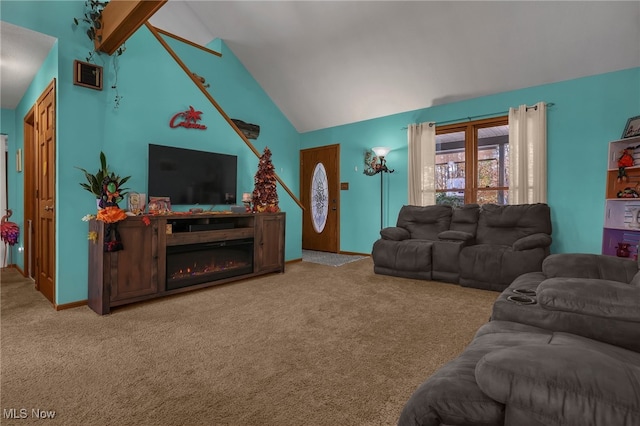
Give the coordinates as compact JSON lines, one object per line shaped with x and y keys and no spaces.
{"x":381,"y":151}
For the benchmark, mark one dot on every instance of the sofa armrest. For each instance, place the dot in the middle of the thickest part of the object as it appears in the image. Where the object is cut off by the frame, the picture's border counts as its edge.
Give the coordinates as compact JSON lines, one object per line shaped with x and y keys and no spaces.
{"x":529,"y":242}
{"x":594,"y":297}
{"x":395,"y":233}
{"x":564,"y":384}
{"x":587,"y":265}
{"x":456,"y":236}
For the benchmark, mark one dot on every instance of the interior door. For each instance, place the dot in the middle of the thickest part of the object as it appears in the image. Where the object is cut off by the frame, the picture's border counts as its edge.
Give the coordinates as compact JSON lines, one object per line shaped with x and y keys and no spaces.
{"x":45,"y":192}
{"x":320,"y":196}
{"x":30,"y":149}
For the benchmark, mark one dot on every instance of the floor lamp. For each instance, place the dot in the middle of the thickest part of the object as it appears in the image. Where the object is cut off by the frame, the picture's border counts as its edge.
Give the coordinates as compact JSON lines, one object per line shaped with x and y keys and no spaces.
{"x":380,"y":167}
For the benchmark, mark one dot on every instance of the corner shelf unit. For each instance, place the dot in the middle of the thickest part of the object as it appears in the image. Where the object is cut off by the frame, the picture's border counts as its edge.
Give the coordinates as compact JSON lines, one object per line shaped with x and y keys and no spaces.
{"x":622,"y":215}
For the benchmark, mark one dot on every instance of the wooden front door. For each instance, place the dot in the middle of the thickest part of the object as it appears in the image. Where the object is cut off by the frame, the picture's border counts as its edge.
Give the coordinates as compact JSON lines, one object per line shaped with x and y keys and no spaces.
{"x":45,"y":192}
{"x":320,"y":196}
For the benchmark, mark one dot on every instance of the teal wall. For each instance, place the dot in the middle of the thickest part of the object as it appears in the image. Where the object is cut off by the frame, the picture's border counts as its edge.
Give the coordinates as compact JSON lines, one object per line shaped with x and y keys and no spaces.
{"x":7,"y":121}
{"x":588,"y":113}
{"x":154,"y":88}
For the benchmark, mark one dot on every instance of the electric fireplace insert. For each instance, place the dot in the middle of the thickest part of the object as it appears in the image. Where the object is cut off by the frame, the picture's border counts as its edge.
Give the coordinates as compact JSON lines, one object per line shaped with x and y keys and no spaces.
{"x":193,"y":264}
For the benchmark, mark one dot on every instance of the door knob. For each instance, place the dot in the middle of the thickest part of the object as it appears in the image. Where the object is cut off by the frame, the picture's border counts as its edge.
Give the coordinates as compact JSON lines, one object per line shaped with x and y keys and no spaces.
{"x":48,"y":208}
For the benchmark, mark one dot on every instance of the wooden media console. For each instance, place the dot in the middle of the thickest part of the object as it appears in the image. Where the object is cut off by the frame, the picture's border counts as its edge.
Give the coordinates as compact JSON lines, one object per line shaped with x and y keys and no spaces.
{"x":177,"y":253}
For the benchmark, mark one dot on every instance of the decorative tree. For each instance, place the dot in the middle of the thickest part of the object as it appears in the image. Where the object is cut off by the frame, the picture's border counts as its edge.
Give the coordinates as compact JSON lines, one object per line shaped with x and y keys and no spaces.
{"x":265,"y":196}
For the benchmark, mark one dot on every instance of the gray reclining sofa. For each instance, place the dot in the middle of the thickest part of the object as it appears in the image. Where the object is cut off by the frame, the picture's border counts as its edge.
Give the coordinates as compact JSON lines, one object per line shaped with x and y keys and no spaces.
{"x":484,"y":246}
{"x":562,"y":348}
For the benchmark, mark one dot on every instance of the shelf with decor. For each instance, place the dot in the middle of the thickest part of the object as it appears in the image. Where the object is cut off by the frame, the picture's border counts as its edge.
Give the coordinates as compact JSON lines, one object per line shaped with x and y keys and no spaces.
{"x":621,"y":232}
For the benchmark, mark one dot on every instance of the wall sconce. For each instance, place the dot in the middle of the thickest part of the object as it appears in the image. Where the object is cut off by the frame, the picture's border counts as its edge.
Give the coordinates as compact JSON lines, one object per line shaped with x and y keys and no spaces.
{"x":19,"y":160}
{"x":378,"y":165}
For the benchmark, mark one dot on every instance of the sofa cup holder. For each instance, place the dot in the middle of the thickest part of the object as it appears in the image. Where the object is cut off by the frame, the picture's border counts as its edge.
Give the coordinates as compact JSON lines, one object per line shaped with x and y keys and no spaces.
{"x":524,"y":292}
{"x":522,"y":300}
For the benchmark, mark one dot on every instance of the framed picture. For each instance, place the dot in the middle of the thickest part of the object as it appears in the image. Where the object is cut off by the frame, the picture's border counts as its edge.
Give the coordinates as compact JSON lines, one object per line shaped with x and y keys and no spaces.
{"x":632,"y":128}
{"x":136,"y":202}
{"x":87,"y":75}
{"x":159,"y":205}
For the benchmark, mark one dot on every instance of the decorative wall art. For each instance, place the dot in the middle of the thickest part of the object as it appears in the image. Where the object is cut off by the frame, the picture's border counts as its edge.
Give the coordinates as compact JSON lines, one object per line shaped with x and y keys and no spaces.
{"x":632,"y":128}
{"x":250,"y":131}
{"x":86,"y":74}
{"x":187,"y":119}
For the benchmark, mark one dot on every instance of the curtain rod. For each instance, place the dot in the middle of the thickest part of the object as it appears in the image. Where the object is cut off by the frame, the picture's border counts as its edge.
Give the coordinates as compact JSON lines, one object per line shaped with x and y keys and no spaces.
{"x":549,"y":104}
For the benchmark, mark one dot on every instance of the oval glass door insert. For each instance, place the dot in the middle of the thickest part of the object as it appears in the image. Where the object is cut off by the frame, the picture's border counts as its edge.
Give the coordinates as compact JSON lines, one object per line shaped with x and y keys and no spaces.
{"x":319,"y":198}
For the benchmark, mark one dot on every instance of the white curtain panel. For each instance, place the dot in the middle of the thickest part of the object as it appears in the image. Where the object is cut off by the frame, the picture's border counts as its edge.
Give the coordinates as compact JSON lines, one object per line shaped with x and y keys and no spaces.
{"x":422,"y":156}
{"x":528,"y":154}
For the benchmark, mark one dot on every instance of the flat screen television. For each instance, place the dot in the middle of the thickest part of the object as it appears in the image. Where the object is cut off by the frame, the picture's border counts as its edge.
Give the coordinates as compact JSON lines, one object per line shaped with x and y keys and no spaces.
{"x":188,"y":176}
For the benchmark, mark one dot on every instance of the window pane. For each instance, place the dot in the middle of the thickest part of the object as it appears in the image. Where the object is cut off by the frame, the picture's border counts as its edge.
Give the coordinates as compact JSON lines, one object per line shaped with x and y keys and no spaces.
{"x":493,"y":196}
{"x":493,"y":162}
{"x":450,"y":168}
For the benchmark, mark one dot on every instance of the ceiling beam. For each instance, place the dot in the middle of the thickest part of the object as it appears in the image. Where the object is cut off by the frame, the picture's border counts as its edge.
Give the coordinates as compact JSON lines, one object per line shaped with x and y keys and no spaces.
{"x":122,"y":18}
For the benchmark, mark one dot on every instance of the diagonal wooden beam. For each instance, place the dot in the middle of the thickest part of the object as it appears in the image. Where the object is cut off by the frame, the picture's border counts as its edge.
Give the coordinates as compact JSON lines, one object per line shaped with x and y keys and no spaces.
{"x":189,"y":42}
{"x":204,"y":91}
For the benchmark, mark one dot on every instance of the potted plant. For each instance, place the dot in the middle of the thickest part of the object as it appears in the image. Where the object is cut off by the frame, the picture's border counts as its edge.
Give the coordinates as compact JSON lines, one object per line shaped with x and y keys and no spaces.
{"x":95,"y":182}
{"x":92,"y":21}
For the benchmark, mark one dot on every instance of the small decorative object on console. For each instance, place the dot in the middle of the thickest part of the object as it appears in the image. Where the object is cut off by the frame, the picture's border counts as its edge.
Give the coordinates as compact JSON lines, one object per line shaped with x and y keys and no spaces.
{"x":110,"y":213}
{"x":136,"y":203}
{"x":159,"y":205}
{"x":246,"y":200}
{"x":265,"y":195}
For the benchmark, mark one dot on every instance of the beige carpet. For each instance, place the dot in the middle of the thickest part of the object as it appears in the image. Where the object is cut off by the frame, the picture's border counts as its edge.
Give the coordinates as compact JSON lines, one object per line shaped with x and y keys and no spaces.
{"x":317,"y":345}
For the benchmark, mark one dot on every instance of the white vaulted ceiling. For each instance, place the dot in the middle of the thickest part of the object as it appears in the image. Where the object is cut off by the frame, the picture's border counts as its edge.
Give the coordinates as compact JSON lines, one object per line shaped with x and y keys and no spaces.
{"x":327,"y":63}
{"x":22,"y":53}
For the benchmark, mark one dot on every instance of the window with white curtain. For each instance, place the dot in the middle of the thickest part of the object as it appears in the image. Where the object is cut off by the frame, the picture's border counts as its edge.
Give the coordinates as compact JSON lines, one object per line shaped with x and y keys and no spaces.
{"x":472,"y":162}
{"x":499,"y":160}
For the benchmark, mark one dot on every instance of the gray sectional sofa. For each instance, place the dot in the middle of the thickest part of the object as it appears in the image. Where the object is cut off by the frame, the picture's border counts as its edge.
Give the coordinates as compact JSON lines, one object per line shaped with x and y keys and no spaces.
{"x":562,"y":348}
{"x":484,"y":246}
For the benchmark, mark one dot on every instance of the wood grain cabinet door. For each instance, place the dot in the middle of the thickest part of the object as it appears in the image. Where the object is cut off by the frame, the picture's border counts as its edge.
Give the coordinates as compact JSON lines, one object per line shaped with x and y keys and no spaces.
{"x":269,"y":242}
{"x":134,"y":270}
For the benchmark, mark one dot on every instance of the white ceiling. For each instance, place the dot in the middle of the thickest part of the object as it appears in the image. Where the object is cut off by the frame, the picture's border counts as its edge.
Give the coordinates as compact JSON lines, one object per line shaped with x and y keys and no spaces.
{"x":22,"y":52}
{"x":328,"y":63}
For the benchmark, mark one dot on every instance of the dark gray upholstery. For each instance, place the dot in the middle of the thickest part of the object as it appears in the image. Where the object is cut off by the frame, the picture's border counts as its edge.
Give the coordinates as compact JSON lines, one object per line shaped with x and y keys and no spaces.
{"x":510,"y":241}
{"x":524,"y":369}
{"x":424,"y":223}
{"x":570,"y":380}
{"x":451,"y":396}
{"x":406,"y":249}
{"x":485,"y":247}
{"x":519,"y":375}
{"x":586,"y":294}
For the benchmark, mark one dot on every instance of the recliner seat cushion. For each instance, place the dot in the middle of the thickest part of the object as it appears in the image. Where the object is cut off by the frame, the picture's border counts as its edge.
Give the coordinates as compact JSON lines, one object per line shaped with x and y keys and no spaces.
{"x":494,"y":267}
{"x":451,"y":395}
{"x":406,"y":255}
{"x":570,"y":381}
